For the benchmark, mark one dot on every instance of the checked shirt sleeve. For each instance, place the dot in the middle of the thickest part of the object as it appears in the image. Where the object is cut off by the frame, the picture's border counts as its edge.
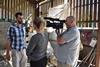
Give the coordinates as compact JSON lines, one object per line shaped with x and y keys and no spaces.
{"x":10,"y":33}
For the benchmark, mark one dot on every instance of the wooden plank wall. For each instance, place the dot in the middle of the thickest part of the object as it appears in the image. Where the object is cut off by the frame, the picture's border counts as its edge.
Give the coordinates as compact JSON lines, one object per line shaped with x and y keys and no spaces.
{"x":85,"y":11}
{"x":10,"y":7}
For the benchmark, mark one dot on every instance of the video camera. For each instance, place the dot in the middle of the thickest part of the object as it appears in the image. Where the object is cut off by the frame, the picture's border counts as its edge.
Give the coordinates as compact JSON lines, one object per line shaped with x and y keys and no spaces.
{"x":54,"y":22}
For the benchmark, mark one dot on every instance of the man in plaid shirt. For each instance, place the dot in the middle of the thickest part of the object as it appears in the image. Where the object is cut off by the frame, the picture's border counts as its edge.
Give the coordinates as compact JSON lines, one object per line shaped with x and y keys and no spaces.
{"x":16,"y":42}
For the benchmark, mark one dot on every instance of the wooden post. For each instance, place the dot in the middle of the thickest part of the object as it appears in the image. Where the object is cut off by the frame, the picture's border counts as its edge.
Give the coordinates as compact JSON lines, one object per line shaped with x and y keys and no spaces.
{"x":36,"y":7}
{"x":98,"y":40}
{"x":2,"y":9}
{"x":51,"y":3}
{"x":8,"y":1}
{"x":5,"y":9}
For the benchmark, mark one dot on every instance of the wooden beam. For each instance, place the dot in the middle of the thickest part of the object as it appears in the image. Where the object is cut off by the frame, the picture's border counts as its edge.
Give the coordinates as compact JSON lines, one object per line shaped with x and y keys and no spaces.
{"x":8,"y":2}
{"x":87,"y":9}
{"x":80,"y":13}
{"x":5,"y":8}
{"x":91,"y":7}
{"x":36,"y":6}
{"x":51,"y":3}
{"x":98,"y":40}
{"x":77,"y":12}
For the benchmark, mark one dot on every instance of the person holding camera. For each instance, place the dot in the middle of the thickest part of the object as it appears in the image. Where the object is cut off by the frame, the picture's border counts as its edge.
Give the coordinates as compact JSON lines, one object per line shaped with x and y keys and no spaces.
{"x":36,"y":50}
{"x":67,"y":51}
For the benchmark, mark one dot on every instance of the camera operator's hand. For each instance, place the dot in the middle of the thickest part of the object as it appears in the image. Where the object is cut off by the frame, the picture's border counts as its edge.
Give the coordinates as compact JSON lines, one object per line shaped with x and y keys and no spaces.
{"x":60,"y":40}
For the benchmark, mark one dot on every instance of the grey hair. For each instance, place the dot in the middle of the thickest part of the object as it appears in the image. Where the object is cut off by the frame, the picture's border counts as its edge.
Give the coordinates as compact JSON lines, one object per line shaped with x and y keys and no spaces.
{"x":71,"y":18}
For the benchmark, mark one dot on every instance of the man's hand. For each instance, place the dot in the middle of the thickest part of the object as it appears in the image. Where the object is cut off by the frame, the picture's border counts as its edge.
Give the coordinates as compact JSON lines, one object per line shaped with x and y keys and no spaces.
{"x":7,"y":56}
{"x":7,"y":46}
{"x":60,"y":40}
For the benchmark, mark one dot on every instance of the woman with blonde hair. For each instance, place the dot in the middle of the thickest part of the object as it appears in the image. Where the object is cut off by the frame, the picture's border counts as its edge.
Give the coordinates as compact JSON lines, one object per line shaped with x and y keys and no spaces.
{"x":36,"y":50}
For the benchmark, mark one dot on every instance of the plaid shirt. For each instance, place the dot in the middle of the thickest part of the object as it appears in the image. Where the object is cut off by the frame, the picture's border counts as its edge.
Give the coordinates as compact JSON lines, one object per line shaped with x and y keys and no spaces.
{"x":16,"y":35}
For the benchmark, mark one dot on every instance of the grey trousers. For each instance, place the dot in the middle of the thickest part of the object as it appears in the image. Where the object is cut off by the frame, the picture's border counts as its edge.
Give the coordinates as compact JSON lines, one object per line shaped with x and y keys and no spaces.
{"x":19,"y":58}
